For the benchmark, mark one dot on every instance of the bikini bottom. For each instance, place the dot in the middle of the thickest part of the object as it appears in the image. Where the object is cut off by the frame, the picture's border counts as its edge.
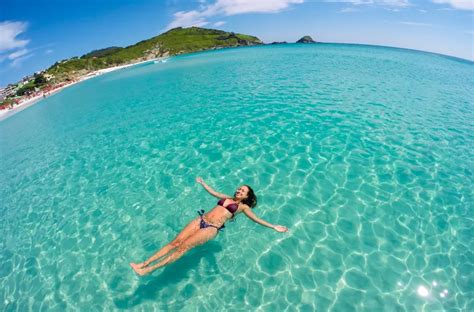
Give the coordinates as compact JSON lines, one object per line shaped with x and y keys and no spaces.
{"x":204,"y":224}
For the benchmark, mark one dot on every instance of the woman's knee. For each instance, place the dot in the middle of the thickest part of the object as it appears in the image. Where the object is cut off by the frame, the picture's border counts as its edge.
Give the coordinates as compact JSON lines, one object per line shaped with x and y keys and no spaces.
{"x":176,"y":243}
{"x":182,"y":248}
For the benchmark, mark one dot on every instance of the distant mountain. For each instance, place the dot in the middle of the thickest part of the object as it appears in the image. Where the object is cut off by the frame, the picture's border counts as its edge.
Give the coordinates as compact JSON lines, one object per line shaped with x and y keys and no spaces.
{"x":175,"y":41}
{"x":306,"y":39}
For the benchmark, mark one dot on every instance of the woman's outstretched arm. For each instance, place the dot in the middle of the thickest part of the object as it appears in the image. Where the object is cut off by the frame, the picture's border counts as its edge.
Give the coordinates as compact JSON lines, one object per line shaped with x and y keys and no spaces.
{"x":249,"y":213}
{"x":210,"y":190}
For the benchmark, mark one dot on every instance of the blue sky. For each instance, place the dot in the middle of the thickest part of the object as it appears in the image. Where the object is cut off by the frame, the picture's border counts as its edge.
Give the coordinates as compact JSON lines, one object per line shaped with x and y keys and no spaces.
{"x":36,"y":34}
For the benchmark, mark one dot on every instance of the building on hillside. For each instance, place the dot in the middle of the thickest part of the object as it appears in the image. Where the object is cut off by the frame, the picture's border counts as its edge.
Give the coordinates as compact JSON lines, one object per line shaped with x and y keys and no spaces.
{"x":26,"y":79}
{"x":8,"y":90}
{"x":48,"y":77}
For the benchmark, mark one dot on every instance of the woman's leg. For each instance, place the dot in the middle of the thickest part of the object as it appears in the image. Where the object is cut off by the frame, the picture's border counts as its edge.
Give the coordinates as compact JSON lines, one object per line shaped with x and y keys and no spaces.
{"x":199,"y":238}
{"x":188,"y":230}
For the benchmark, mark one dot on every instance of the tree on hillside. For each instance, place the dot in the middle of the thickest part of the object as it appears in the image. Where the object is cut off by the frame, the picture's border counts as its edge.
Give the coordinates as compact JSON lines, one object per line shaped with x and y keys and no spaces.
{"x":26,"y":89}
{"x":40,"y":79}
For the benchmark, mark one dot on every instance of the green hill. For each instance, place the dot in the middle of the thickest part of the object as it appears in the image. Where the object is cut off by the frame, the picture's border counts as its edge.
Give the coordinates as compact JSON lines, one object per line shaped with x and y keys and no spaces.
{"x":175,"y":41}
{"x":101,"y":52}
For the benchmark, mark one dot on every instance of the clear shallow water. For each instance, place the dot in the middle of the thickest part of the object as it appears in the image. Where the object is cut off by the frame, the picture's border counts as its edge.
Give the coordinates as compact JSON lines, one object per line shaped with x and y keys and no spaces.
{"x":365,"y":153}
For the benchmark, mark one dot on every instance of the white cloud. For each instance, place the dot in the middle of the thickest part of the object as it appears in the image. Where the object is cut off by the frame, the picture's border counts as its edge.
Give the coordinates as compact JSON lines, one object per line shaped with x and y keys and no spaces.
{"x":8,"y":33}
{"x":187,"y":19}
{"x":14,"y":48}
{"x":219,"y":23}
{"x":226,"y":8}
{"x":17,"y":54}
{"x":348,"y":10}
{"x":16,"y":62}
{"x":390,"y":3}
{"x":458,"y":4}
{"x":416,"y":24}
{"x":49,"y":51}
{"x":233,"y":7}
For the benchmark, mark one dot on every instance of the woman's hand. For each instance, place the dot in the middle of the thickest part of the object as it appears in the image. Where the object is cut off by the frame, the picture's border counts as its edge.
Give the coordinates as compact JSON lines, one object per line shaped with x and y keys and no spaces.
{"x":199,"y":180}
{"x":280,"y":228}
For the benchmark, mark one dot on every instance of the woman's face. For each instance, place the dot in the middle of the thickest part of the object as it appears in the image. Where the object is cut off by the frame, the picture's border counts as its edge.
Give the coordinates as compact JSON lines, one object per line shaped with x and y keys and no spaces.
{"x":241,"y":192}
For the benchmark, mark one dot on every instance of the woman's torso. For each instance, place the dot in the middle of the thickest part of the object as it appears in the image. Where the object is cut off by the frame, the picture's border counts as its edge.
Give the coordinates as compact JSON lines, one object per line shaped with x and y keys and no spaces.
{"x":223,"y":211}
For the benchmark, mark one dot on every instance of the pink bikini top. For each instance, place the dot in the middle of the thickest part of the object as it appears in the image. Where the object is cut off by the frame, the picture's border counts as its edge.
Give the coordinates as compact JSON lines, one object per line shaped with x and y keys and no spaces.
{"x":232,"y":208}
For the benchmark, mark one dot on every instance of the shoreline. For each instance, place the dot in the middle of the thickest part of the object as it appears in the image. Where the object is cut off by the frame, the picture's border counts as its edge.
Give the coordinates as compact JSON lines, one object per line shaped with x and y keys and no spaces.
{"x":6,"y":113}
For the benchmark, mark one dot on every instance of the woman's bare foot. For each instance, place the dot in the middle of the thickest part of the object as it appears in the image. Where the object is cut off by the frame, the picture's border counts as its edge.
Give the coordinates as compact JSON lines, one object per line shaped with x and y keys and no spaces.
{"x":138,"y":269}
{"x":139,"y":265}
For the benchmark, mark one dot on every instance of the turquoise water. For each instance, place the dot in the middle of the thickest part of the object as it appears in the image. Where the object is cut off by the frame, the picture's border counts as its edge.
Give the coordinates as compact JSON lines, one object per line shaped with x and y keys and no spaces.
{"x":365,"y":153}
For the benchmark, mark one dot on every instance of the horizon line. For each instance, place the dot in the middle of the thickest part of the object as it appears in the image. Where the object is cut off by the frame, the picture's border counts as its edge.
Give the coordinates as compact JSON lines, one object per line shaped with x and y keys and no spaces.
{"x":456,"y":58}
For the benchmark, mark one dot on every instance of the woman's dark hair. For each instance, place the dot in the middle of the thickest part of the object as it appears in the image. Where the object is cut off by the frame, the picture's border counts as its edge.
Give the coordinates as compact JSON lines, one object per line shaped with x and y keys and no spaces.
{"x":251,"y":199}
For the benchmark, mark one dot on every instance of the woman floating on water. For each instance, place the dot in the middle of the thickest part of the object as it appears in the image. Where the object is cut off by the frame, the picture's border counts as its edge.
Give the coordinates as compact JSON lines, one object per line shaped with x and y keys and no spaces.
{"x":206,"y":226}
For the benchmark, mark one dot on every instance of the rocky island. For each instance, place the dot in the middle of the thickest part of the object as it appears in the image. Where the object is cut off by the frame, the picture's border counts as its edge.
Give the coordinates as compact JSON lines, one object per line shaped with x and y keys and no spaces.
{"x":306,"y":39}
